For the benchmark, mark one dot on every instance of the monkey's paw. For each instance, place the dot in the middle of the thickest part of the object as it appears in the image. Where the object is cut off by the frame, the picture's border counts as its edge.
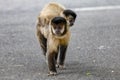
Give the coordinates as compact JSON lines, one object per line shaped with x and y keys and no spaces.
{"x":57,"y":65}
{"x":51,"y":73}
{"x":62,"y":67}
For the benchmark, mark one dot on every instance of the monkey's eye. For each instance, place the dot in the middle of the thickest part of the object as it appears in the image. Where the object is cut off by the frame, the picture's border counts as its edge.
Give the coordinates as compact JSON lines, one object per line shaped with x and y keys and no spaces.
{"x":71,"y":20}
{"x":58,"y":27}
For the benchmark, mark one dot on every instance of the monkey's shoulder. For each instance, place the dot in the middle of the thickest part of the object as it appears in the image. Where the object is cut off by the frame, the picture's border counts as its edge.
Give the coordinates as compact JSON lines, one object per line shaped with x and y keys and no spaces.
{"x":45,"y":31}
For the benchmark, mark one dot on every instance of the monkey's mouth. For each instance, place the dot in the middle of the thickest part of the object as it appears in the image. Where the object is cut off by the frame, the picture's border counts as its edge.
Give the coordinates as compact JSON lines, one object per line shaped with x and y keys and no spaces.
{"x":58,"y":34}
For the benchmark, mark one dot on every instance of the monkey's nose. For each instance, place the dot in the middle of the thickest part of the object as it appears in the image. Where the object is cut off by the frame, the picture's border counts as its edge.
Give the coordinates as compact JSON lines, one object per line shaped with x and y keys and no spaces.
{"x":57,"y":32}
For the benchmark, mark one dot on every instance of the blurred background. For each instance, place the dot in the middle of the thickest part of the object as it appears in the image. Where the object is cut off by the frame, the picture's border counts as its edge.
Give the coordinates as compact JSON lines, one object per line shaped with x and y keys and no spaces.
{"x":38,"y":4}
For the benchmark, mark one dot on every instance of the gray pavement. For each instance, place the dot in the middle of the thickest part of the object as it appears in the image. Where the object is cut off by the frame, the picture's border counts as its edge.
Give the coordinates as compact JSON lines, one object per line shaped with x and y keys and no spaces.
{"x":94,"y":49}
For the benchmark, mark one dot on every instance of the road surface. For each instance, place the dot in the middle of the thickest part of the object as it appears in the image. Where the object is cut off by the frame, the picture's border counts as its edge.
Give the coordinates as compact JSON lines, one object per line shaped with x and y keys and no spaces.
{"x":94,"y":49}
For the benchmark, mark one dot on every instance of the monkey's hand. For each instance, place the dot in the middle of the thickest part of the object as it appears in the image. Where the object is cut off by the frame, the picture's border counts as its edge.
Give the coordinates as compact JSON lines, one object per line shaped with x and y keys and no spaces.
{"x":57,"y":65}
{"x":51,"y":73}
{"x":60,"y":66}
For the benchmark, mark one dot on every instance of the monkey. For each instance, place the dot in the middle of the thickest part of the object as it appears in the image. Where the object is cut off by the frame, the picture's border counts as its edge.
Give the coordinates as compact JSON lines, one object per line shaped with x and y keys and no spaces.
{"x":54,"y":39}
{"x":54,"y":9}
{"x":46,"y":33}
{"x":70,"y":16}
{"x":50,"y":11}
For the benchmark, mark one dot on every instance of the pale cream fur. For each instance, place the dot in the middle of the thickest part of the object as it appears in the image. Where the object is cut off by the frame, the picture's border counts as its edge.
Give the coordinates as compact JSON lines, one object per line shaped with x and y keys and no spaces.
{"x":50,"y":11}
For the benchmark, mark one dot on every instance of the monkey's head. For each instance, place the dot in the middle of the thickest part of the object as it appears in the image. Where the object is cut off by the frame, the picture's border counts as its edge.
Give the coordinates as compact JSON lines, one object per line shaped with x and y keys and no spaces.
{"x":70,"y":16}
{"x":58,"y":26}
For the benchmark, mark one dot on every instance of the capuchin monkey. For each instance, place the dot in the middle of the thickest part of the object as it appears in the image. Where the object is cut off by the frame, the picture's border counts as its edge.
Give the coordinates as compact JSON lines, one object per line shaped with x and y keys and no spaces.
{"x":52,"y":10}
{"x":54,"y":39}
{"x":53,"y":33}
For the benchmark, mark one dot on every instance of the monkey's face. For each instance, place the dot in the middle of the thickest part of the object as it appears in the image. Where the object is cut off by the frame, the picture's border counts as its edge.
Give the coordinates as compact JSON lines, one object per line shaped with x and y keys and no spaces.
{"x":58,"y":29}
{"x":58,"y":26}
{"x":70,"y":16}
{"x":71,"y":20}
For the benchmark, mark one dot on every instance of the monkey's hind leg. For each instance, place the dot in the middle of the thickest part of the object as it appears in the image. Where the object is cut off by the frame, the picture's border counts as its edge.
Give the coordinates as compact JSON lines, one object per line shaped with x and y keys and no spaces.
{"x":42,"y":41}
{"x":63,"y":49}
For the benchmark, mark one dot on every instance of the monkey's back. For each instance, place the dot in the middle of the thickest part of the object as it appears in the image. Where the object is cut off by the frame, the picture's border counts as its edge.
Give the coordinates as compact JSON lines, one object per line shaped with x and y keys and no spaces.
{"x":51,"y":10}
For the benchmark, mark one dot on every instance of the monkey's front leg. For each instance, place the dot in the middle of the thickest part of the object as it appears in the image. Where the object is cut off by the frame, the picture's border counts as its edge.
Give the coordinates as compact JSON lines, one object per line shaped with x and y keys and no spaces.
{"x":63,"y":49}
{"x":51,"y":63}
{"x":42,"y":40}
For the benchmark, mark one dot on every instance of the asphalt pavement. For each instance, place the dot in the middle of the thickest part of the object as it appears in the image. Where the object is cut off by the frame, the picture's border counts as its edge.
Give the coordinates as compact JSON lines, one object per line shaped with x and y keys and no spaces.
{"x":93,"y":52}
